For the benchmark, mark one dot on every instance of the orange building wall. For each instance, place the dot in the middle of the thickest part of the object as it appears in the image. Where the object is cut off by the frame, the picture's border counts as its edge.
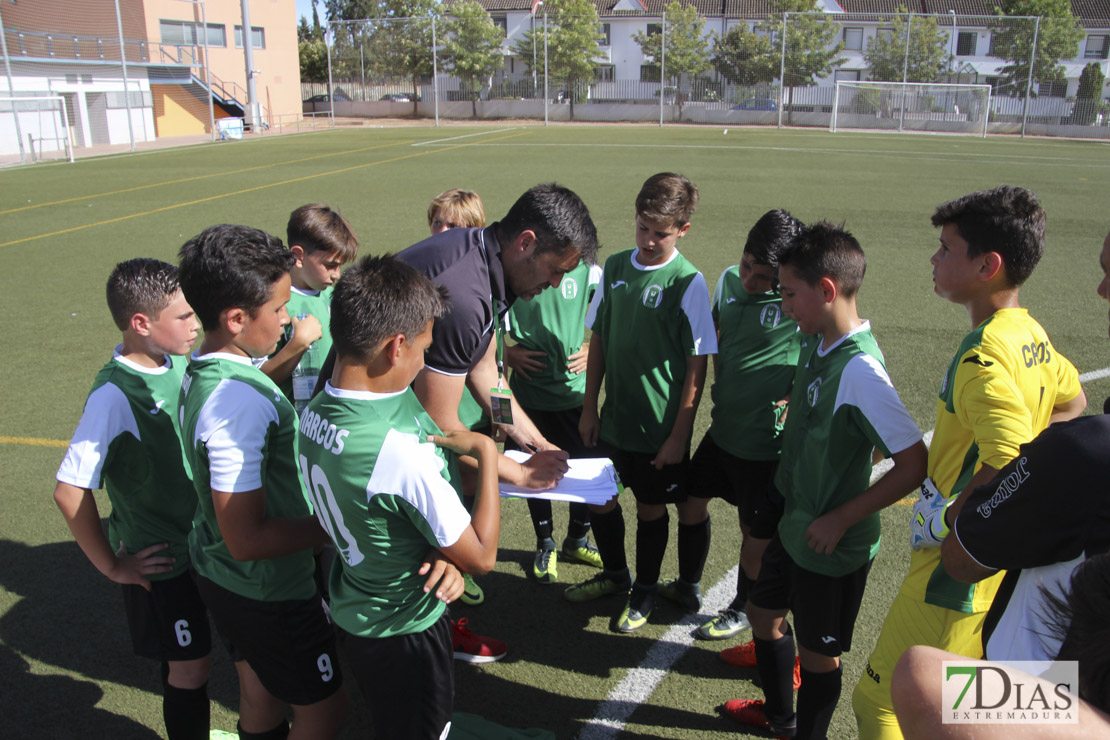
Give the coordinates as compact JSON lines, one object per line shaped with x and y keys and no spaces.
{"x":278,"y":81}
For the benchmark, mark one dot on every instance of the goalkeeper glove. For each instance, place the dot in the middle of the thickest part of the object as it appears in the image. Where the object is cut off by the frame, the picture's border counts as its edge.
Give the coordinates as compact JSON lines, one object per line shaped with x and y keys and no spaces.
{"x":927,"y":527}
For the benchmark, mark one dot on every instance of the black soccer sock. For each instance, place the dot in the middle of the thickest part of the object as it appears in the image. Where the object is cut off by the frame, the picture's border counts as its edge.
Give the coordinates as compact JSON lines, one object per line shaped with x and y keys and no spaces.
{"x":278,"y":733}
{"x":186,"y":712}
{"x":743,"y":588}
{"x":579,"y":525}
{"x":775,"y":659}
{"x":693,"y":548}
{"x":540,"y":509}
{"x":609,"y":533}
{"x":651,"y":546}
{"x":816,"y":702}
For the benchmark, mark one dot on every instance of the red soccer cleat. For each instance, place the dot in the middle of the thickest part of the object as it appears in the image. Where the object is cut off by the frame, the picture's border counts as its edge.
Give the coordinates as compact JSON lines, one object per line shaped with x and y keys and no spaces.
{"x":474,"y":648}
{"x":743,"y":656}
{"x":751,"y":712}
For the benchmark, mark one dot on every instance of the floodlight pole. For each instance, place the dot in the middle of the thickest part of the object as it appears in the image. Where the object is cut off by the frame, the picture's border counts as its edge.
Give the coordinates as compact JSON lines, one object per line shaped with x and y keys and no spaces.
{"x":546,"y":98}
{"x":1029,"y":79}
{"x":534,"y":82}
{"x":662,"y":66}
{"x":905,"y":73}
{"x":331,"y":89}
{"x":207,"y":71}
{"x":123,"y":67}
{"x":248,"y":58}
{"x":782,"y":71}
{"x":435,"y":73}
{"x":11,"y":92}
{"x":952,"y":42}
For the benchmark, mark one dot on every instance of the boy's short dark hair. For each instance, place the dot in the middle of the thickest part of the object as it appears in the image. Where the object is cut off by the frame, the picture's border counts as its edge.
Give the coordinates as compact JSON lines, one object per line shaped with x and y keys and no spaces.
{"x":771,"y":234}
{"x":1008,"y":220}
{"x":317,"y":228}
{"x":826,"y":250}
{"x":381,"y":297}
{"x":229,"y":266}
{"x":559,"y":218}
{"x":143,"y":286}
{"x":667,"y":198}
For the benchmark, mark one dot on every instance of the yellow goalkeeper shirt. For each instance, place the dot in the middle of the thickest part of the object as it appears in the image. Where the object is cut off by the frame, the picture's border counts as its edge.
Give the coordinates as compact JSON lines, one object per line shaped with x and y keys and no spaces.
{"x":997,"y":394}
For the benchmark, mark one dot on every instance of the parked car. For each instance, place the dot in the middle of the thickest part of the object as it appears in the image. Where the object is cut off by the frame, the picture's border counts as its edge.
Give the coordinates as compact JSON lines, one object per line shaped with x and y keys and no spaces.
{"x":340,"y":96}
{"x":758,"y":104}
{"x":399,"y":97}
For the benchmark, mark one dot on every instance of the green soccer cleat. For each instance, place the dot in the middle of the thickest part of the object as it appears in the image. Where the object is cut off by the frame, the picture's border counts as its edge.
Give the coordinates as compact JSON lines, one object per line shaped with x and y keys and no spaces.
{"x":728,"y":623}
{"x":580,"y":550}
{"x":472,"y":592}
{"x":638,"y":609}
{"x":686,"y":595}
{"x":602,"y":584}
{"x":546,"y":565}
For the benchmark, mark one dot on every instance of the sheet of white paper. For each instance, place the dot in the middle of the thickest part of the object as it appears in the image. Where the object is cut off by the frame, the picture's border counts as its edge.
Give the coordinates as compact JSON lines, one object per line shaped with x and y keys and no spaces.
{"x":591,"y":480}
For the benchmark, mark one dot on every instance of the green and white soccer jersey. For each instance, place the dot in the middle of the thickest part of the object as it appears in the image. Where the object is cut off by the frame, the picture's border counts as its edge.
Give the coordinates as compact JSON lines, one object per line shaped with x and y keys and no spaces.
{"x":239,"y":433}
{"x":842,"y":406}
{"x":756,"y":358}
{"x":127,"y":442}
{"x":385,"y":496}
{"x":650,"y":320}
{"x":554,"y":322}
{"x":299,"y":386}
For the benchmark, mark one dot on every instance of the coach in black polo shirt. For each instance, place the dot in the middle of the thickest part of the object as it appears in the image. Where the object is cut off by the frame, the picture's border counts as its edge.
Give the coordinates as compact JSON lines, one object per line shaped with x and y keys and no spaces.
{"x":1042,"y":515}
{"x":543,"y":236}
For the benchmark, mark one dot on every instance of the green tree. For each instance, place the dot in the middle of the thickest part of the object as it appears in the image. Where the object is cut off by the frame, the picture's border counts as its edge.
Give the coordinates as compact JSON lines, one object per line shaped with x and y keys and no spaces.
{"x":572,"y":48}
{"x":687,"y":49}
{"x":886,"y":53}
{"x":812,"y":48}
{"x":1057,"y":38}
{"x":472,"y":47}
{"x":1089,"y":95}
{"x":744,"y":57}
{"x":312,"y":50}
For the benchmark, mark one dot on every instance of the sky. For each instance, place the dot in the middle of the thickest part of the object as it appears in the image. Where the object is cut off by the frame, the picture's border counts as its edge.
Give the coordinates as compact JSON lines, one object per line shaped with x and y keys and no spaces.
{"x":304,"y":8}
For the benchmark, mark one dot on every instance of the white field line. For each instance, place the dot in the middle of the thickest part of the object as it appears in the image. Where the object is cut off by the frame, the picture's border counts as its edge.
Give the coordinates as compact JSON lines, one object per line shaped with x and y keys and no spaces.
{"x":1094,"y":375}
{"x":639,"y":683}
{"x":433,"y":142}
{"x":989,"y":157}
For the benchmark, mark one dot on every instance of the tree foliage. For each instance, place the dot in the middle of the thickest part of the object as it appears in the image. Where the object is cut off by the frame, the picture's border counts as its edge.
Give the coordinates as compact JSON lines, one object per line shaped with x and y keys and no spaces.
{"x":1088,"y":97}
{"x":812,"y":47}
{"x":886,"y":53}
{"x":312,"y":50}
{"x":472,"y":47}
{"x":744,"y":57}
{"x":572,"y":44}
{"x":686,"y":54}
{"x":1057,"y":38}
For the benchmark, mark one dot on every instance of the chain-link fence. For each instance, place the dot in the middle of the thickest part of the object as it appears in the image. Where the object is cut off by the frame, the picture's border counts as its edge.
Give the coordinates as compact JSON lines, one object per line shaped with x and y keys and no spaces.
{"x":1046,"y":76}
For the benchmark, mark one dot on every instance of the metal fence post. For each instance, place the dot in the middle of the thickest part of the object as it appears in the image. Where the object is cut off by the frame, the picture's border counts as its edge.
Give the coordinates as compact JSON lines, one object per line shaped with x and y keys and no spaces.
{"x":1029,"y":79}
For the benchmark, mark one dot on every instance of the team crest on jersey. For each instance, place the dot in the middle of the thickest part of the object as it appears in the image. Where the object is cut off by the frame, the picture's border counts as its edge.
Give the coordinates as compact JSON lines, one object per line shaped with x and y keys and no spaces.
{"x":813,"y":391}
{"x":653,"y":296}
{"x":770,"y":316}
{"x":569,"y":288}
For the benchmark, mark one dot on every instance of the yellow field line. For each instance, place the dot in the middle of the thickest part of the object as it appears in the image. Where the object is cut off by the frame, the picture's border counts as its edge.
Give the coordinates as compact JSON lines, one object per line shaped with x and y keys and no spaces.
{"x":33,"y":441}
{"x":241,"y":192}
{"x":199,"y":177}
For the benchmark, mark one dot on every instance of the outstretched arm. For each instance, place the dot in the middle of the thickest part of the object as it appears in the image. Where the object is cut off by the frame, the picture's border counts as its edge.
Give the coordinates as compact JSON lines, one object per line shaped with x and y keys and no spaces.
{"x":251,"y":535}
